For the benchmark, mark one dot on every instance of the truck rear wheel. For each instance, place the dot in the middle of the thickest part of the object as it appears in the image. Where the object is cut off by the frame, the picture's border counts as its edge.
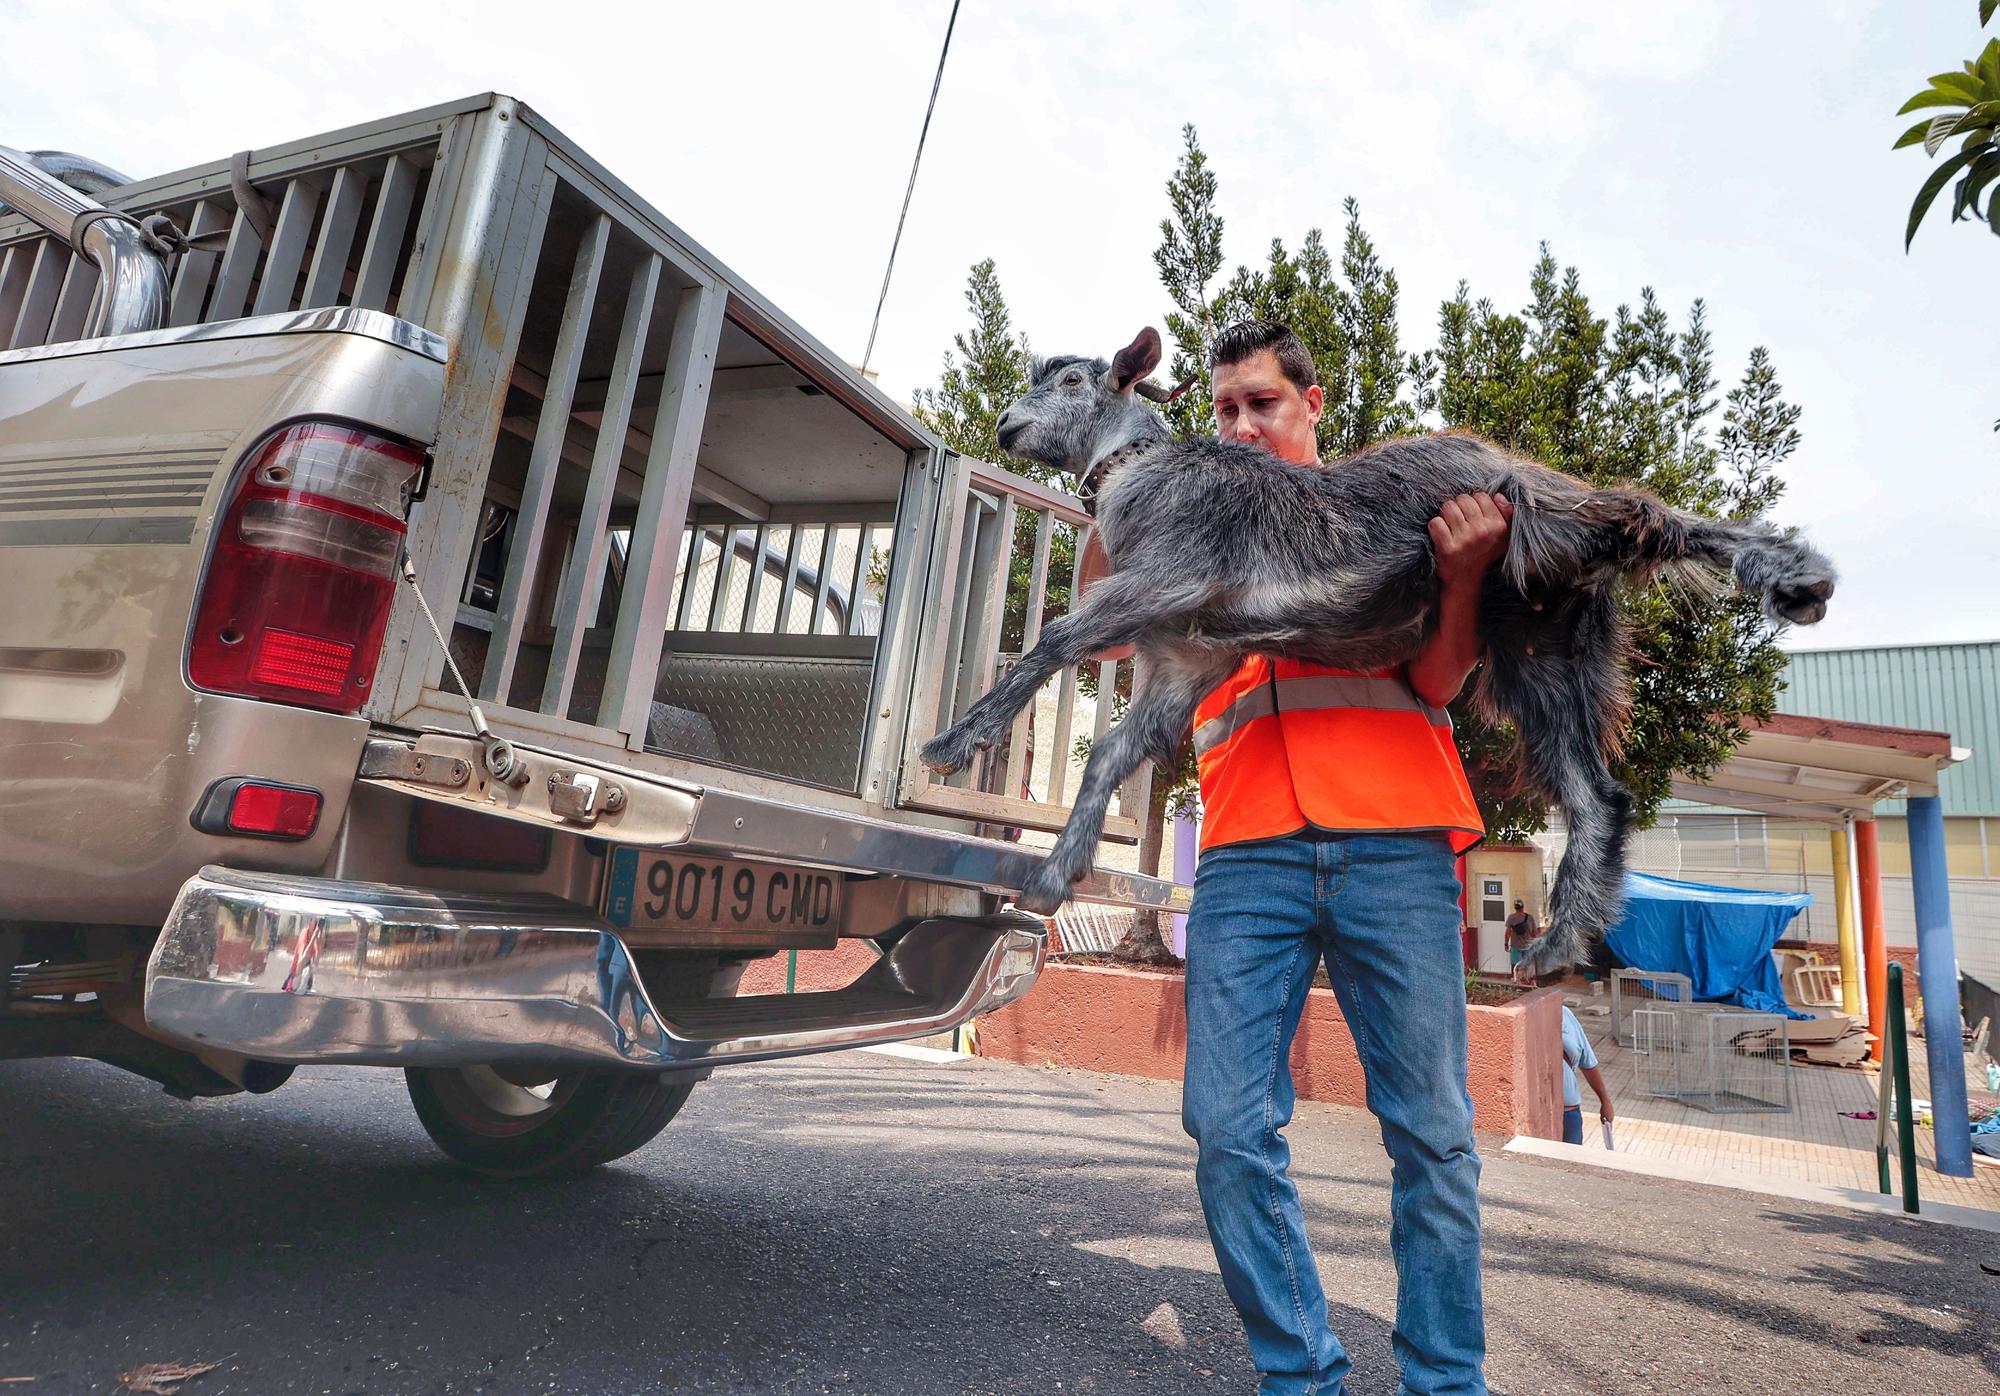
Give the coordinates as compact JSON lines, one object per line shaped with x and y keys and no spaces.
{"x":526,"y":1121}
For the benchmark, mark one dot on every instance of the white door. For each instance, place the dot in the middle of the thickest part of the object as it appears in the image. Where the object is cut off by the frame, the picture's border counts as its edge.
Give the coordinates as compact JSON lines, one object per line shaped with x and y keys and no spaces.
{"x":1493,"y":907}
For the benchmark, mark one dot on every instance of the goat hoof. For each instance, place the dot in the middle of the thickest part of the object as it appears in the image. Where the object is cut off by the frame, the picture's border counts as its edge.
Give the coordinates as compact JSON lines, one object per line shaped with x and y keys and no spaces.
{"x":1556,"y":950}
{"x":948,"y":752}
{"x":1804,"y":604}
{"x":1046,"y":890}
{"x":1531,"y":969}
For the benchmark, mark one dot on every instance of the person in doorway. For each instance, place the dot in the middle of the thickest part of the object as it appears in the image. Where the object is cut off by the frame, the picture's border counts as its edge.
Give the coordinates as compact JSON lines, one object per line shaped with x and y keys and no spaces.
{"x":1521,"y":929}
{"x":1578,"y":1056}
{"x":1334,"y":808}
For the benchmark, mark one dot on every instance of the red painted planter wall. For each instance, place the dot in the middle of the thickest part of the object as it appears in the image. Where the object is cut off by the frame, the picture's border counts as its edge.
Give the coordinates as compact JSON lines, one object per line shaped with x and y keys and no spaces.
{"x":817,"y":969}
{"x":1134,"y":1022}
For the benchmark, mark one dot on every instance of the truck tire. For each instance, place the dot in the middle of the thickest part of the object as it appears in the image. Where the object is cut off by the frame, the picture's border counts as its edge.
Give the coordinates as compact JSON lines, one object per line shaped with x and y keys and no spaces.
{"x":524,"y":1122}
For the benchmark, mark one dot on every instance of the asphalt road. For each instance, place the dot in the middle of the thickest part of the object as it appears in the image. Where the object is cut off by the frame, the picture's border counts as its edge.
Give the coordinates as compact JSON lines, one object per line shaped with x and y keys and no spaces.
{"x":864,"y":1224}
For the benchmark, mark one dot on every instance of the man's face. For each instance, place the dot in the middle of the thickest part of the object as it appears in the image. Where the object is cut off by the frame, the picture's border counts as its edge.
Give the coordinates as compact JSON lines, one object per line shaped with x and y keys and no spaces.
{"x":1256,"y":404}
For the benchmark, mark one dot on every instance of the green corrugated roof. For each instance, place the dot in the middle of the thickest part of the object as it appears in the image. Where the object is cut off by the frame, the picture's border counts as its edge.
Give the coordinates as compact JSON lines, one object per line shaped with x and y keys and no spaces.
{"x":1938,"y":688}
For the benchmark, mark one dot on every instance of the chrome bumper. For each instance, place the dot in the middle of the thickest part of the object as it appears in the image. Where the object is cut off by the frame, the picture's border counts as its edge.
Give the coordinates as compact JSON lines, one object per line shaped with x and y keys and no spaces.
{"x":298,"y":969}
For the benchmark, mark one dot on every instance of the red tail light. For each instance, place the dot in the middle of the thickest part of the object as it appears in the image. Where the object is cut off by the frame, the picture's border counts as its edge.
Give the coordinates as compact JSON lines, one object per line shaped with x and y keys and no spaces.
{"x":274,"y":810}
{"x":298,"y":586}
{"x":260,"y":808}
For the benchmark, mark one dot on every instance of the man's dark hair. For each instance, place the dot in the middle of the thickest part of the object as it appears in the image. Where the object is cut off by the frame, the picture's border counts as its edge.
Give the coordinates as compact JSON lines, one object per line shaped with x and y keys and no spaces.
{"x":1247,"y":338}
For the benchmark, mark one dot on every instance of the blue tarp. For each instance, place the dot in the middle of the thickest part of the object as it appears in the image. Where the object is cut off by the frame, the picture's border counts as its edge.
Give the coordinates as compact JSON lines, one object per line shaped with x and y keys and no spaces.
{"x":1719,"y":937}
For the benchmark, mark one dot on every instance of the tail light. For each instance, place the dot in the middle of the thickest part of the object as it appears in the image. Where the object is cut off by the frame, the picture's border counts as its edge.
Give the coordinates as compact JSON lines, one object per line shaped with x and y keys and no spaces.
{"x":260,"y":808}
{"x":303,"y":571}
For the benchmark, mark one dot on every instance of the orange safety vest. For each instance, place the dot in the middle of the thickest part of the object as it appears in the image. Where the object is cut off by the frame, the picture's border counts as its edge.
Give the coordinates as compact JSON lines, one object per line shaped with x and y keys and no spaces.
{"x":1284,"y":745}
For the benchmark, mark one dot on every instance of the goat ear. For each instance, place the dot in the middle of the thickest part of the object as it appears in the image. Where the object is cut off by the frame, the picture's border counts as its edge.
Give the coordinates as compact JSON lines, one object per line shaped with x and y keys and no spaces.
{"x":1136,"y":360}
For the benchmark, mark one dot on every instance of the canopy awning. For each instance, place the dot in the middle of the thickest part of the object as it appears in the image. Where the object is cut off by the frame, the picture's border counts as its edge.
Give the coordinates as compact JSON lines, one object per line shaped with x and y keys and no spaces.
{"x":1823,"y":769}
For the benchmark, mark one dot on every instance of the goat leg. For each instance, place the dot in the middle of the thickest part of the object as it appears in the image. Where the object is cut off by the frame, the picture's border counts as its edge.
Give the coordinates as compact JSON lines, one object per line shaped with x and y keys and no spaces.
{"x":1791,"y":578}
{"x":1589,"y":888}
{"x":1174,"y":681}
{"x":1632,"y":532}
{"x":1567,"y":701}
{"x":1116,"y":612}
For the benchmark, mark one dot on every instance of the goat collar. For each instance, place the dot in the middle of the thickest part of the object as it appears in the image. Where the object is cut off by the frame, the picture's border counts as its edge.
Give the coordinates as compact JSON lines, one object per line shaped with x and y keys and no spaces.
{"x":1093,"y":481}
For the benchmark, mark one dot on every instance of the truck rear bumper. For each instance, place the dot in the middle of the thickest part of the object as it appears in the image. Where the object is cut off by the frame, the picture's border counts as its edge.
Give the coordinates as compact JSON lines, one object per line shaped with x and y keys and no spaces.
{"x":297,"y":969}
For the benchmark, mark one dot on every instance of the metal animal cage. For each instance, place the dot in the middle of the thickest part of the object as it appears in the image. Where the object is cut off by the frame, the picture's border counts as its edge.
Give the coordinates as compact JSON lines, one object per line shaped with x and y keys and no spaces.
{"x":1634,"y":991}
{"x":1725,"y":1063}
{"x":1656,"y":1045}
{"x":1027,"y":781}
{"x":679,"y":531}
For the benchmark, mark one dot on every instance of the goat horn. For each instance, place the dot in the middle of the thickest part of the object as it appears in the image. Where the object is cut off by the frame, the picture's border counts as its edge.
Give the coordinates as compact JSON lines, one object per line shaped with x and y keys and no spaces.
{"x":1153,"y":392}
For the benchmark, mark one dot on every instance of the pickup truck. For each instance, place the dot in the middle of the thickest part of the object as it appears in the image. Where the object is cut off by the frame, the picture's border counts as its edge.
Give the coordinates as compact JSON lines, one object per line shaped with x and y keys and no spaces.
{"x":452,"y":623}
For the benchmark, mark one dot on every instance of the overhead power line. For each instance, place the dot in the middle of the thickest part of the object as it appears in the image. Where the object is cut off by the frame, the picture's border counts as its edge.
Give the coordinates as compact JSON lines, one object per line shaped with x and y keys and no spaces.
{"x":888,"y":271}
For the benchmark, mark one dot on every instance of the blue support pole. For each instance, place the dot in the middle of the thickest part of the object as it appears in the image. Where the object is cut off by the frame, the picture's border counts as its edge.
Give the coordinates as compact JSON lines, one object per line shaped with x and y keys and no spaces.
{"x":1937,"y":975}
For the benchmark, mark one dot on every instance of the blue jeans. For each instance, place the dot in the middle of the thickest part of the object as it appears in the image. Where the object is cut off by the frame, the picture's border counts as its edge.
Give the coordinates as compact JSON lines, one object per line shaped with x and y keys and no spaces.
{"x":1572,"y":1124}
{"x":1383,"y":911}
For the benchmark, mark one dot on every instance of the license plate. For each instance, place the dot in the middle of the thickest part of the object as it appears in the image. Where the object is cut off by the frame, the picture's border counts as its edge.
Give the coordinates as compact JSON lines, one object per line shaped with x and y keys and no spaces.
{"x":654,"y":891}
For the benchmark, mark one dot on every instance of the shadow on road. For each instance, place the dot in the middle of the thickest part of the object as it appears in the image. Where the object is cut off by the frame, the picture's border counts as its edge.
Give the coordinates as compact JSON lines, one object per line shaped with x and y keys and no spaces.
{"x":865,"y":1225}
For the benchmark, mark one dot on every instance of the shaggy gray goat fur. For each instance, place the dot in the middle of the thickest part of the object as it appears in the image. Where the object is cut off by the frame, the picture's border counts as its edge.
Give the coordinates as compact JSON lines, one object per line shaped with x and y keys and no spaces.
{"x":1221,"y":551}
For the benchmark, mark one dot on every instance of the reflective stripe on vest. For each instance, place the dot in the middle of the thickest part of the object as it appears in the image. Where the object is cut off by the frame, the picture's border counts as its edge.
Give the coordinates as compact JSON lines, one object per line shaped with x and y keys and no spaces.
{"x":1285,"y":745}
{"x":1316,"y":691}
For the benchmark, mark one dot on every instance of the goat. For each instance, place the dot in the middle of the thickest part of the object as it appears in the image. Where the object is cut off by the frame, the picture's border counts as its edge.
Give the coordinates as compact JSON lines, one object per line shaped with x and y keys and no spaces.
{"x":1220,"y":551}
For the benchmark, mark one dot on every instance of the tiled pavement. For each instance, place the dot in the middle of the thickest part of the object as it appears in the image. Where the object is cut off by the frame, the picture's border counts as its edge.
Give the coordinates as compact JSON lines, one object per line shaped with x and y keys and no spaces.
{"x":1812,"y":1143}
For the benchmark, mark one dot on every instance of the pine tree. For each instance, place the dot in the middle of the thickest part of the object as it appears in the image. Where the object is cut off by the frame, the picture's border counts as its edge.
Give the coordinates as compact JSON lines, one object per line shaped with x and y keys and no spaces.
{"x":992,"y":371}
{"x":1619,"y":402}
{"x":1189,"y":256}
{"x":1365,"y":384}
{"x":1698,"y":376}
{"x":1759,"y":432}
{"x":1623,"y":403}
{"x":989,"y":373}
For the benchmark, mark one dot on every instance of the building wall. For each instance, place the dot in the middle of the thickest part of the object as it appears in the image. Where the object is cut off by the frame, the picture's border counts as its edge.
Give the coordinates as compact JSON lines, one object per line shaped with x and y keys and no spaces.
{"x":1784,"y":855}
{"x":1756,"y":843}
{"x":1520,"y":867}
{"x":1937,"y":688}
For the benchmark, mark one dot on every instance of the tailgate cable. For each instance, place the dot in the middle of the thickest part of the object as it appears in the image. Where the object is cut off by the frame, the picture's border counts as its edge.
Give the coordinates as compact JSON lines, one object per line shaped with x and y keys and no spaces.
{"x":503,"y":763}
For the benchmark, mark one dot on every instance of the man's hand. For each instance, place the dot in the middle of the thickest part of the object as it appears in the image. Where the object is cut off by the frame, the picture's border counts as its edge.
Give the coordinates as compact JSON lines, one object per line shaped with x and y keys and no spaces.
{"x":1469,"y":534}
{"x":1595,"y":1075}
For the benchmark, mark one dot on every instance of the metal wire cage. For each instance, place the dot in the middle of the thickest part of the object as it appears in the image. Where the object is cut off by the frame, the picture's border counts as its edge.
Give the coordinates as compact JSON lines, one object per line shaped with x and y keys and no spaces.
{"x":1725,"y":1063}
{"x":1656,"y":1049}
{"x":1634,"y":991}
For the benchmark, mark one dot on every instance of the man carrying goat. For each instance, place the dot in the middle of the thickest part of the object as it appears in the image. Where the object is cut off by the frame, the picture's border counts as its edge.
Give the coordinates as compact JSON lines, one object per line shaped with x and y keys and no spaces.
{"x":1288,"y":752}
{"x":1310,"y":622}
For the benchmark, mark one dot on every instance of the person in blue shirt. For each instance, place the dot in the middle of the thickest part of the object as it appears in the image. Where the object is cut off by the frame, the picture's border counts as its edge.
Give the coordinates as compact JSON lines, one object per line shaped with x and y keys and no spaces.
{"x":1577,"y":1056}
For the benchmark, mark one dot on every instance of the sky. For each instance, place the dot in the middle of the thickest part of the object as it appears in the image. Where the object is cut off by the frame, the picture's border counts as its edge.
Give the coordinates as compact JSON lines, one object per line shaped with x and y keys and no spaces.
{"x":1736,"y":152}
